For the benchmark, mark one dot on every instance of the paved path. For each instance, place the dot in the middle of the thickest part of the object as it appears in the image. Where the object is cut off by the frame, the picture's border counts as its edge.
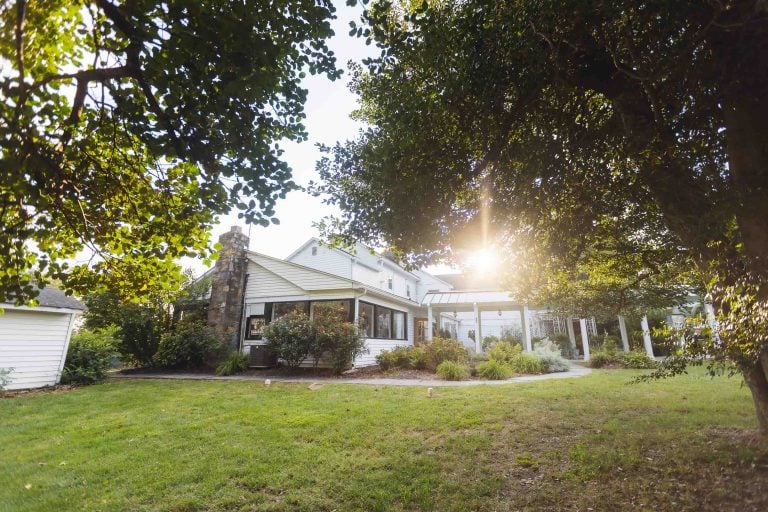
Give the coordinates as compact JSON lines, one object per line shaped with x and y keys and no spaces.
{"x":576,"y":371}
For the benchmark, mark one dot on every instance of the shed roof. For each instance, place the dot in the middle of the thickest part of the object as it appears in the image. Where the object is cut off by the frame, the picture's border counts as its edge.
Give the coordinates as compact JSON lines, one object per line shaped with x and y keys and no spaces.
{"x":52,"y":297}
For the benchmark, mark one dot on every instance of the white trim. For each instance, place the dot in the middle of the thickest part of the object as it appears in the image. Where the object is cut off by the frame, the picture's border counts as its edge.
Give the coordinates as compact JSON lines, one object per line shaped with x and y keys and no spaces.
{"x":66,"y":347}
{"x":44,"y":309}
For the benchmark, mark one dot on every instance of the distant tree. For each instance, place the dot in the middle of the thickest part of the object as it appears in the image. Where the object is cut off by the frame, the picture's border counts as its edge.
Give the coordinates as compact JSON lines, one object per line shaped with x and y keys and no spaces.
{"x":127,"y":127}
{"x":567,"y":131}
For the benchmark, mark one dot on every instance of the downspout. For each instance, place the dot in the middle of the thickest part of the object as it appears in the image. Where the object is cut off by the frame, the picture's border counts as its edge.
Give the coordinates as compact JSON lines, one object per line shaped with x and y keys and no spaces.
{"x":241,"y":323}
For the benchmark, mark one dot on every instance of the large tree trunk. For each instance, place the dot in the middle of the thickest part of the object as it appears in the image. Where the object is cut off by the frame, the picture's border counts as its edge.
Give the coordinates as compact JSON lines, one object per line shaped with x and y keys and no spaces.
{"x":756,"y":378}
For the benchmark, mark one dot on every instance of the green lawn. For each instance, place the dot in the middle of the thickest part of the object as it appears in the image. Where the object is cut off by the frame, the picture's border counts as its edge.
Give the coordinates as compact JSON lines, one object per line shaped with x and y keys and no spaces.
{"x":687,"y":443}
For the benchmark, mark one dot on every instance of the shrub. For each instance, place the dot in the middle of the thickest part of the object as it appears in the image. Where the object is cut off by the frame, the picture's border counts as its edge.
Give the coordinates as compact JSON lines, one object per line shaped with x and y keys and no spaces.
{"x":398,"y":357}
{"x":234,"y":363}
{"x":599,"y":359}
{"x":549,"y":354}
{"x":527,"y":363}
{"x":140,"y":339}
{"x":444,"y":349}
{"x":344,"y":344}
{"x":417,"y":357}
{"x":489,"y":341}
{"x":403,"y":358}
{"x":189,"y":346}
{"x":451,"y":370}
{"x":89,"y":356}
{"x":637,"y":360}
{"x":504,"y":352}
{"x":494,"y":370}
{"x":290,"y":338}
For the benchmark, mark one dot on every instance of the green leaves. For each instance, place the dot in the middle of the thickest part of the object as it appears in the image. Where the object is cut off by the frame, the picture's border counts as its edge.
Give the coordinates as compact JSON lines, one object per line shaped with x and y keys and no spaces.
{"x":123,"y":126}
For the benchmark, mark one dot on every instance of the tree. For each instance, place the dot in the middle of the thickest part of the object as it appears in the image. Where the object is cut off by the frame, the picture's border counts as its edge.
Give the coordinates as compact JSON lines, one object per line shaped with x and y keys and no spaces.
{"x":559,"y":129}
{"x":127,"y":128}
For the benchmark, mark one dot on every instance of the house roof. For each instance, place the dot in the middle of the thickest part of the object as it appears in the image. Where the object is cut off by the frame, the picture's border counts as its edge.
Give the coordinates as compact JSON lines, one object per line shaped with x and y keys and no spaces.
{"x":52,"y":297}
{"x":305,"y":277}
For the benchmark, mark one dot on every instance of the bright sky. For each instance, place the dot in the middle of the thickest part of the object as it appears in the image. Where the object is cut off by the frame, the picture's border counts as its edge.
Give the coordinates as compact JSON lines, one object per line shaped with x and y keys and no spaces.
{"x":328,"y":107}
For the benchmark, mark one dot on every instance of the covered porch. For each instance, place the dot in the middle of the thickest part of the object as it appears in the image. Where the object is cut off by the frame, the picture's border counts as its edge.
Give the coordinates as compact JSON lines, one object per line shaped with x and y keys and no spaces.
{"x":475,"y":302}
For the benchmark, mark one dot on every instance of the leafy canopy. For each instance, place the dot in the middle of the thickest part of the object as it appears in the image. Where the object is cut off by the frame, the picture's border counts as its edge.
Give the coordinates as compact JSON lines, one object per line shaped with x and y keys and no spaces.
{"x":126,"y":128}
{"x":615,"y":146}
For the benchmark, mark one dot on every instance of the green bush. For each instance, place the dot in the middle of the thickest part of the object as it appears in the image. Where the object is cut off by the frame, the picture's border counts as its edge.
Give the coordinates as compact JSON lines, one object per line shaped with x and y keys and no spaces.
{"x":494,"y":370}
{"x":5,"y":377}
{"x":489,"y":341}
{"x":504,"y":352}
{"x":549,"y":354}
{"x":234,"y":363}
{"x":290,"y":338}
{"x":527,"y":364}
{"x":398,"y":357}
{"x":600,"y":359}
{"x":403,"y":358}
{"x":89,"y":356}
{"x":444,"y":349}
{"x":140,"y":339}
{"x":190,"y":346}
{"x":343,"y":345}
{"x":418,"y":358}
{"x":637,"y":360}
{"x":451,"y":370}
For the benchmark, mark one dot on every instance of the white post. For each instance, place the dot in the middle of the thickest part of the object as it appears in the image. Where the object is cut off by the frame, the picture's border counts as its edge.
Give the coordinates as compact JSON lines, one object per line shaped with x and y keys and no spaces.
{"x":478,"y":330}
{"x":584,"y":337}
{"x":647,"y":337}
{"x":571,"y":333}
{"x":623,"y":331}
{"x":526,"y":329}
{"x":429,"y":322}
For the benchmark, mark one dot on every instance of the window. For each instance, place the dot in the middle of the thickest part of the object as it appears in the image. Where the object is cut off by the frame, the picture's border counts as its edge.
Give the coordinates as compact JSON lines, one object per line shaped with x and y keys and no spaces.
{"x":314,"y":251}
{"x":280,"y":309}
{"x":366,"y":319}
{"x":382,"y":323}
{"x":340,"y":309}
{"x":255,"y":327}
{"x":389,"y":283}
{"x":408,"y":290}
{"x":398,"y":325}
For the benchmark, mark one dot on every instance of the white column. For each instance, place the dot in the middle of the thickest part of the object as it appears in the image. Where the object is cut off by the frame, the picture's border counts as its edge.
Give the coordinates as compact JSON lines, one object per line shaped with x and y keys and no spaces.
{"x":478,"y":330}
{"x":584,"y":337}
{"x":623,"y":331}
{"x":526,"y":329}
{"x":429,"y":322}
{"x":571,"y":333}
{"x":646,"y":336}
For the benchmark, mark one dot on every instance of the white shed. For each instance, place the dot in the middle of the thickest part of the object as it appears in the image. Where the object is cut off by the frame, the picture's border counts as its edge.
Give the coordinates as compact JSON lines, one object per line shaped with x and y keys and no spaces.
{"x":34,"y":340}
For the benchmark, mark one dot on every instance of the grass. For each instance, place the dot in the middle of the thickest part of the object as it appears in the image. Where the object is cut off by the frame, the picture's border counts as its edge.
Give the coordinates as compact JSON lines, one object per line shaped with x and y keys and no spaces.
{"x":687,"y":443}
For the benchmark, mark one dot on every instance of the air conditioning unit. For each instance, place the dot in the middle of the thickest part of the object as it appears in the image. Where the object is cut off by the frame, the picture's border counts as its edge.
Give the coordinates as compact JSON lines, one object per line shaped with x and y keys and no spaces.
{"x":261,"y":356}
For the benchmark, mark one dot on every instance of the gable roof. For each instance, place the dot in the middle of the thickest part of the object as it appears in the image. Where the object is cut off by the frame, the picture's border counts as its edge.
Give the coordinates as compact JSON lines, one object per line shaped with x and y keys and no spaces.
{"x":52,"y":297}
{"x":312,"y":279}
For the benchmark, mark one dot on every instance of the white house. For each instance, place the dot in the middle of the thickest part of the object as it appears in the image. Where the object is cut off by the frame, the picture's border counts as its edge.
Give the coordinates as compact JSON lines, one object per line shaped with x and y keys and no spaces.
{"x":392,"y":305}
{"x":34,"y":340}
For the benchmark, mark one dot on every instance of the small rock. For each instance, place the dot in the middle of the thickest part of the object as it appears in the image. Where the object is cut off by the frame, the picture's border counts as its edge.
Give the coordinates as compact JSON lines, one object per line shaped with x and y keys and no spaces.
{"x":314,"y":386}
{"x":267,"y":382}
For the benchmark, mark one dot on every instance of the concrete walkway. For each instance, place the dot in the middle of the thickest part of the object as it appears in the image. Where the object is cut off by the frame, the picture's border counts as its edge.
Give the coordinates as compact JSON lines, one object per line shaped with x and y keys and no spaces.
{"x":575,"y":371}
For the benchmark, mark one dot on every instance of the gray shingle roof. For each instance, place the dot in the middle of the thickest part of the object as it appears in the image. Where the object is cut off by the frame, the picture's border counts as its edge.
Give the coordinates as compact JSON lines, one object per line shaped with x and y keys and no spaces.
{"x":52,"y":297}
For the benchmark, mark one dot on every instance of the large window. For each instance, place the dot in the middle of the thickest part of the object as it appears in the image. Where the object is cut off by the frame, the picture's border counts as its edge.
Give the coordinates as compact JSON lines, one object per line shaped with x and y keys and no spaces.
{"x":255,"y":327}
{"x":366,"y":319}
{"x":339,"y":309}
{"x":280,"y":309}
{"x":382,"y":323}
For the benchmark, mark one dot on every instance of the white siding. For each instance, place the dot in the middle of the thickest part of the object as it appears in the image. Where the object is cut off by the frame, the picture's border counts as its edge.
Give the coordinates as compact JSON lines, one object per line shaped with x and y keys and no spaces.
{"x":327,"y":260}
{"x":301,"y":277}
{"x":375,"y":347}
{"x":33,"y":343}
{"x":262,"y":282}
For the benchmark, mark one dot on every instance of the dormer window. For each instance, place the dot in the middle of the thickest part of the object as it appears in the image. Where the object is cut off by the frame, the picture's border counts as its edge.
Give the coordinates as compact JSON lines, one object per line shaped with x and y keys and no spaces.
{"x":408,"y":290}
{"x":314,"y":251}
{"x":390,"y":283}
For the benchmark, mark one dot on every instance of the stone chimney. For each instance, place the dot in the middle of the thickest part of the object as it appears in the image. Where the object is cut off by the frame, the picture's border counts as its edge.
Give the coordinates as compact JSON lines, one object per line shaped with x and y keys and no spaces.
{"x":228,"y":286}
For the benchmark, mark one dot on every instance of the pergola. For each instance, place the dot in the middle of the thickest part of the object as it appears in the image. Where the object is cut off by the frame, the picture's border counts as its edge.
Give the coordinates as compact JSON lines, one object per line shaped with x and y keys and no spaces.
{"x":476,"y":301}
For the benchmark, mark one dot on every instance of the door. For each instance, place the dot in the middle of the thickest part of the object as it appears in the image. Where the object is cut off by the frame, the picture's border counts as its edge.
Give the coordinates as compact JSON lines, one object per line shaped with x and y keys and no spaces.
{"x":419,"y":331}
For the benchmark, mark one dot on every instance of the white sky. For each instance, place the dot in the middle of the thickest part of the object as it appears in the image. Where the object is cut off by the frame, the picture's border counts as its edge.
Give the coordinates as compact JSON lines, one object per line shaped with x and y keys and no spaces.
{"x":328,"y":107}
